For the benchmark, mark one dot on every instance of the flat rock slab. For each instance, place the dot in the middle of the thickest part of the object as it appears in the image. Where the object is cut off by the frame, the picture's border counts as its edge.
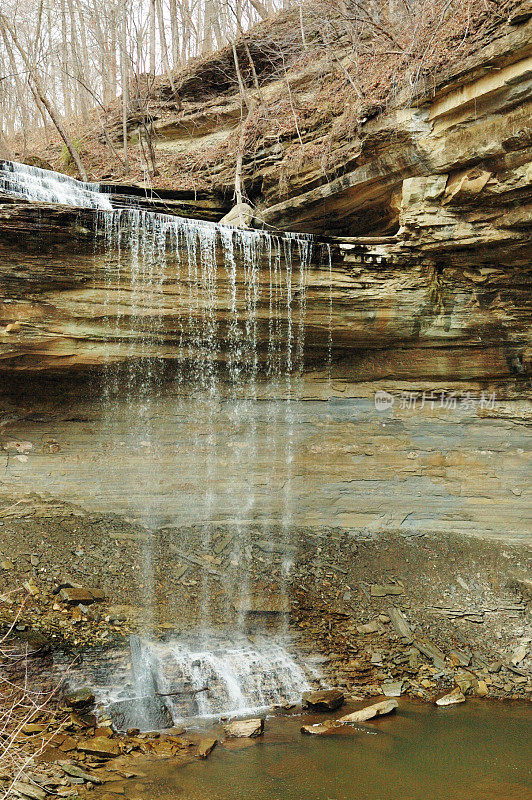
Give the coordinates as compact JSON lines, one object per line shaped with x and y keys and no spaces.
{"x":28,"y":790}
{"x":324,"y":700}
{"x":72,"y":596}
{"x":384,"y":589}
{"x":451,"y":698}
{"x":100,"y":746}
{"x":205,"y":747}
{"x":244,"y":729}
{"x":375,"y":710}
{"x":76,"y":772}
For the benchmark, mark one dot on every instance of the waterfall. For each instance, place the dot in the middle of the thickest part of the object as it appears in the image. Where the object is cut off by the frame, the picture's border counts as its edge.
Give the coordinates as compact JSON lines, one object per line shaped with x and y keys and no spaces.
{"x":44,"y":186}
{"x":178,"y":680}
{"x":201,"y":322}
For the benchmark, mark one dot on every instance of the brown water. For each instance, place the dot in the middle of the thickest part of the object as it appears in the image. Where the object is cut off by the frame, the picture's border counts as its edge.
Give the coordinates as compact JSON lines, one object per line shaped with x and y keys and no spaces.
{"x":476,"y":751}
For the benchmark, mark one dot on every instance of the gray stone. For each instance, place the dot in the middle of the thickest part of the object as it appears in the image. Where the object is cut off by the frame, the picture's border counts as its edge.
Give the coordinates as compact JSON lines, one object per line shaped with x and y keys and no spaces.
{"x":400,"y":624}
{"x":392,"y":688}
{"x":76,"y":772}
{"x":29,"y":790}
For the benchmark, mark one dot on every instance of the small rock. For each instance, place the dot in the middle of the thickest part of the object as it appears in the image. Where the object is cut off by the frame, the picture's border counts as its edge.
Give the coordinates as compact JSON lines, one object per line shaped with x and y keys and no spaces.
{"x":31,"y":587}
{"x":376,"y":710}
{"x":519,"y":654}
{"x":482,"y":689}
{"x":371,"y":627}
{"x":205,"y":747}
{"x":451,"y":698}
{"x":7,"y":564}
{"x":324,"y":700}
{"x":244,"y":729}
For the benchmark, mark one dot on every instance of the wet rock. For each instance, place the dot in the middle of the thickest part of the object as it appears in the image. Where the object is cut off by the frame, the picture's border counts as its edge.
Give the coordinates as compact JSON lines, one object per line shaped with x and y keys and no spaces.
{"x":244,"y":729}
{"x":376,"y":710}
{"x":320,"y":728}
{"x":151,"y":712}
{"x":324,"y":700}
{"x":451,"y":698}
{"x":80,"y":698}
{"x":100,"y":746}
{"x":205,"y":747}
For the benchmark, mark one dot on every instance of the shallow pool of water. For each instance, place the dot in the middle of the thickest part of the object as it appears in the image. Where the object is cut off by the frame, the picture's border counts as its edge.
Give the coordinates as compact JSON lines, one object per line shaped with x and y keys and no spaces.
{"x":477,"y":751}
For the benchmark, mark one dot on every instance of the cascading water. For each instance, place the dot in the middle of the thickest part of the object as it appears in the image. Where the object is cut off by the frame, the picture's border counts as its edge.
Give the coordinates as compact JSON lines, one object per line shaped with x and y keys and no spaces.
{"x":43,"y":186}
{"x":208,"y":320}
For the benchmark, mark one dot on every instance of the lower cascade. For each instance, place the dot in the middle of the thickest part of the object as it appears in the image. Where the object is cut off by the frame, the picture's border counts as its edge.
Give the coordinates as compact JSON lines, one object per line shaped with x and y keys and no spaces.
{"x":200,"y":677}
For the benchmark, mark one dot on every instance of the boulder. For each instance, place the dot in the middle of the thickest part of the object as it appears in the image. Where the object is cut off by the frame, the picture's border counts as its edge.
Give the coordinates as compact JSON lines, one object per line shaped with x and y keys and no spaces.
{"x":240,"y":216}
{"x":451,"y":698}
{"x":244,"y":729}
{"x":80,"y":698}
{"x":324,"y":700}
{"x":376,"y":710}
